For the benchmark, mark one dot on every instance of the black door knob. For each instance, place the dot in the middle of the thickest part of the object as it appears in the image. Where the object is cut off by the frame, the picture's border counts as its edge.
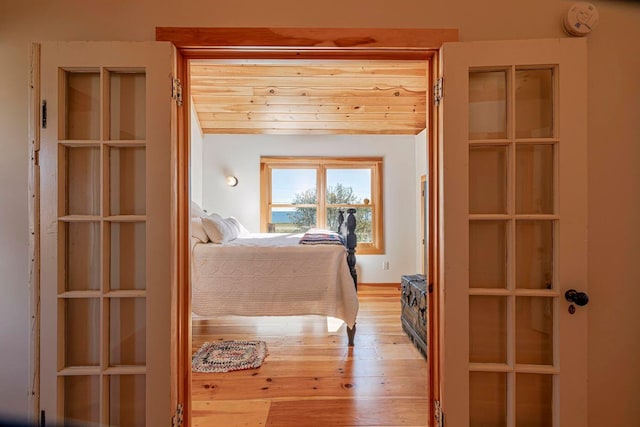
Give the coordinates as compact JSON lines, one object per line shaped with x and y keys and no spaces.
{"x":578,"y":298}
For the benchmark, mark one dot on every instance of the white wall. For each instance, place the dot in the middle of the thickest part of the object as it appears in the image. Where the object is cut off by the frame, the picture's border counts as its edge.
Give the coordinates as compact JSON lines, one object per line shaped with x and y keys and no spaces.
{"x":196,"y":158}
{"x":421,"y":143}
{"x":614,"y":151}
{"x":14,"y":229}
{"x":239,"y":155}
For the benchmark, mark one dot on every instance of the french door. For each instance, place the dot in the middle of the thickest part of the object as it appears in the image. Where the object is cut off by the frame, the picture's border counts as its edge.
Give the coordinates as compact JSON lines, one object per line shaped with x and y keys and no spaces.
{"x":106,"y":233}
{"x":514,"y":232}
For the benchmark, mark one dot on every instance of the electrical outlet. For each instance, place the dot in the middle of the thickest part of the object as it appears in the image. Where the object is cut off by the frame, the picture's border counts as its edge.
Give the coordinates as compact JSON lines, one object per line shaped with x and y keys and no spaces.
{"x":385,"y":265}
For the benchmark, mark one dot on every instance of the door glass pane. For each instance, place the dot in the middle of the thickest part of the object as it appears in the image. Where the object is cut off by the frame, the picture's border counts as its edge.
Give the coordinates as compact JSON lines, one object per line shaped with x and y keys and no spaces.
{"x":487,"y":329}
{"x":293,"y":186}
{"x":487,"y":104}
{"x":488,"y":179}
{"x":82,"y":106}
{"x":82,"y":256}
{"x":292,"y":220}
{"x":534,"y":103}
{"x":127,"y":331}
{"x":534,"y":254}
{"x":127,"y":400}
{"x":488,"y":254}
{"x":127,"y":182}
{"x":127,"y":269}
{"x":487,"y":399}
{"x":534,"y":178}
{"x":534,"y":330}
{"x":81,"y":332}
{"x":81,"y":400}
{"x":127,"y":105}
{"x":82,"y":180}
{"x":534,"y":397}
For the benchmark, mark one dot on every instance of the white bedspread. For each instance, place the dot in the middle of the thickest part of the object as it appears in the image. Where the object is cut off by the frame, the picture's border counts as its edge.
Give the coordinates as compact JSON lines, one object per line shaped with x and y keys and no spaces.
{"x":267,"y":274}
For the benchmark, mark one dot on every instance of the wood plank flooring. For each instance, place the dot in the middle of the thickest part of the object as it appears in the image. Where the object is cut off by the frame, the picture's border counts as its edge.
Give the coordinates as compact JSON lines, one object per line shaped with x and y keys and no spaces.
{"x":311,"y":377}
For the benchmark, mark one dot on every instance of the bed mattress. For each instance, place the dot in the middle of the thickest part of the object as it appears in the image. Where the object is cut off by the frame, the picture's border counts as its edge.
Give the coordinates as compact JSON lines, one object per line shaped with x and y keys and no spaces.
{"x":269,"y":274}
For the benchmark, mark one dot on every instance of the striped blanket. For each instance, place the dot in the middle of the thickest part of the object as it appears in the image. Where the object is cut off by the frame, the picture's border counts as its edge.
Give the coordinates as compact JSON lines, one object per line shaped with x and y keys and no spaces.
{"x":316,"y":236}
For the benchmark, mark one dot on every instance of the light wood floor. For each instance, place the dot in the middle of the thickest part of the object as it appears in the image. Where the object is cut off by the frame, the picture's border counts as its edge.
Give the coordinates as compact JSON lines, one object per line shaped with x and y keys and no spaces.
{"x":311,"y":377}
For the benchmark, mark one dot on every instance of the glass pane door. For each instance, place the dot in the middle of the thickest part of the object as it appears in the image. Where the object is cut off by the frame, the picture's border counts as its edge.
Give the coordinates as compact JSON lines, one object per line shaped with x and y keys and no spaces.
{"x":105,"y":338}
{"x":512,"y":217}
{"x":102,"y":296}
{"x":514,"y":233}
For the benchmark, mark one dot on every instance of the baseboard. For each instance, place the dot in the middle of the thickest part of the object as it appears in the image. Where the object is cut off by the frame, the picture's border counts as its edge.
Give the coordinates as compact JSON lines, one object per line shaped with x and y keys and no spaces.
{"x":380,"y":285}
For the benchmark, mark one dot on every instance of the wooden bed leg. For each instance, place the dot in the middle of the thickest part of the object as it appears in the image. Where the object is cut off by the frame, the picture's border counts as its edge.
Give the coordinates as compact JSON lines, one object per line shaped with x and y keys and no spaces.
{"x":351,"y":333}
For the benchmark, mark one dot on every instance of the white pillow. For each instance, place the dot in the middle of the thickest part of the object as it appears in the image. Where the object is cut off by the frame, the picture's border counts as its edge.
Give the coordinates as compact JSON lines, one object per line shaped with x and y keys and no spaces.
{"x":197,"y":211}
{"x":197,"y":230}
{"x":241,"y":230}
{"x":218,"y":230}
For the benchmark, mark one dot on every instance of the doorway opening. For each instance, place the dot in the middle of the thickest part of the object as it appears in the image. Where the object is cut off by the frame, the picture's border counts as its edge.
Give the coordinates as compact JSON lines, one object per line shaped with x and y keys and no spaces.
{"x":286,"y":48}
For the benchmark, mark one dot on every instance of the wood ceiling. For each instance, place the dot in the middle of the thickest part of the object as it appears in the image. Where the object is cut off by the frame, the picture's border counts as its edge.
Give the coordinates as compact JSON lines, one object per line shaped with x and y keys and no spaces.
{"x":310,"y":96}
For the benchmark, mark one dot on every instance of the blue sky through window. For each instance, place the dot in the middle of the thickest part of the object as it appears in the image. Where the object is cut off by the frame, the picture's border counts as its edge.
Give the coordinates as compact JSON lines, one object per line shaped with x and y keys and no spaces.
{"x":286,"y":183}
{"x":358,"y":179}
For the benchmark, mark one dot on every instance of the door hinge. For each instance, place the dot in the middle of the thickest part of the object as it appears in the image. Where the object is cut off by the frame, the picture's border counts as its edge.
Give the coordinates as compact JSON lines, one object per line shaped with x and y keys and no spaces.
{"x":176,"y":420}
{"x":44,"y":114}
{"x":176,"y":90}
{"x":438,"y":90}
{"x":36,"y":157}
{"x":438,"y":414}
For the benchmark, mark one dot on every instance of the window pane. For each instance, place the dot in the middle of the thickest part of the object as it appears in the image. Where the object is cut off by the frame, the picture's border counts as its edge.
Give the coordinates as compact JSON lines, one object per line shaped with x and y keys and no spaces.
{"x":127,"y":400}
{"x":534,"y":254}
{"x":488,"y":254}
{"x":487,"y":399}
{"x":292,"y":220}
{"x":81,"y":399}
{"x":349,"y":186}
{"x":127,"y":105}
{"x":127,"y":263}
{"x":534,"y":178}
{"x":81,"y":329}
{"x":127,"y":331}
{"x":534,"y":400}
{"x":487,"y":329}
{"x":364,"y":222}
{"x":82,"y":180}
{"x":82,"y":105}
{"x":534,"y":103}
{"x":127,"y":180}
{"x":488,"y":179}
{"x":293,"y":186}
{"x":487,"y":104}
{"x":534,"y":330}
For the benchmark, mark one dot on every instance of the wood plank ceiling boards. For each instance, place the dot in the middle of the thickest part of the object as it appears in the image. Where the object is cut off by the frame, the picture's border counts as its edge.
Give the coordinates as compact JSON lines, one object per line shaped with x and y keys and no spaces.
{"x":310,"y":96}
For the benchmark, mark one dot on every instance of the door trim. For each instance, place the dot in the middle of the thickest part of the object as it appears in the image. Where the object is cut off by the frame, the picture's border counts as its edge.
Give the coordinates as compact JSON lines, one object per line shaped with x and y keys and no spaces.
{"x":294,"y":43}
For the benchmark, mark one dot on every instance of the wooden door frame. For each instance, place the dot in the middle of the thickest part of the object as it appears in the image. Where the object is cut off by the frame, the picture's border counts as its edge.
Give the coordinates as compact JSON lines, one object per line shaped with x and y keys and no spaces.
{"x":295,"y":43}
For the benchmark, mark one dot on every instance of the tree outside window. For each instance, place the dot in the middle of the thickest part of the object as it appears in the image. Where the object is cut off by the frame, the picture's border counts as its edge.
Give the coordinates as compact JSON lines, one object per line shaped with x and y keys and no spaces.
{"x":309,"y":193}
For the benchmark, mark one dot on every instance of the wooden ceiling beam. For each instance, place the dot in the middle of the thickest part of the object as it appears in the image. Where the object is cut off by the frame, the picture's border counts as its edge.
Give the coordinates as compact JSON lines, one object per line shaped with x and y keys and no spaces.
{"x":291,"y":38}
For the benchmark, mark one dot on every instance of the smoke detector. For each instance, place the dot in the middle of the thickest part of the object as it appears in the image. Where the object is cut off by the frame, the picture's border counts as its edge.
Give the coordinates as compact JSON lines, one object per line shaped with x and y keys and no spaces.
{"x":580,"y":19}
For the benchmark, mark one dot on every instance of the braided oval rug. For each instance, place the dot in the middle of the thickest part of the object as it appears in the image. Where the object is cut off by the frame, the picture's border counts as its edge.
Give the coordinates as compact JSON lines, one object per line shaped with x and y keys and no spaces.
{"x":225,"y":356}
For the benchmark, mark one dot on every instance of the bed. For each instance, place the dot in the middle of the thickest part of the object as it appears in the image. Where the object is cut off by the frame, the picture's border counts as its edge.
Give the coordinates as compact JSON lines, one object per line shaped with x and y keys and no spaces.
{"x":275,"y":274}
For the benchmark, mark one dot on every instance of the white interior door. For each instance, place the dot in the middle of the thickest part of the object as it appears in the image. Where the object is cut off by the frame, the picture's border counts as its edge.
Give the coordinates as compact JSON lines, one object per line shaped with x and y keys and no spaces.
{"x":106,"y":226}
{"x":514,"y":231}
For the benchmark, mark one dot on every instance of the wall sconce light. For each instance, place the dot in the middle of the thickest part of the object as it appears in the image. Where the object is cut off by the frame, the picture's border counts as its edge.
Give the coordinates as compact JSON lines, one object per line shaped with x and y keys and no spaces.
{"x":232,"y":181}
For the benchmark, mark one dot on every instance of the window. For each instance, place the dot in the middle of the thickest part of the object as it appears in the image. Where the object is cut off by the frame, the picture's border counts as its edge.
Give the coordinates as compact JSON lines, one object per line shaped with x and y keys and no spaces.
{"x":298,"y":193}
